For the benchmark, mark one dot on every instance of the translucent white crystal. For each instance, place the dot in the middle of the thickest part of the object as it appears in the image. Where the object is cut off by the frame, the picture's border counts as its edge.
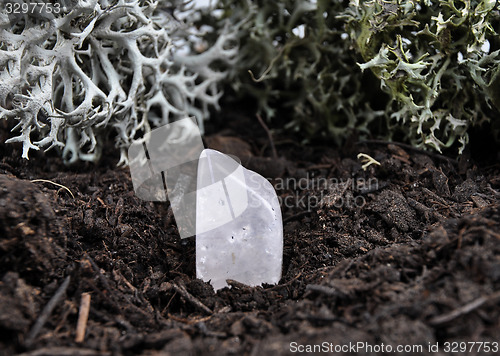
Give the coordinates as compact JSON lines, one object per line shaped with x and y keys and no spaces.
{"x":239,"y":230}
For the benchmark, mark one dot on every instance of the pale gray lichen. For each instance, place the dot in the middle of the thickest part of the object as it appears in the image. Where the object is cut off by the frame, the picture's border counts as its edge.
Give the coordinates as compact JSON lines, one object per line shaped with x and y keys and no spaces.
{"x":68,"y":78}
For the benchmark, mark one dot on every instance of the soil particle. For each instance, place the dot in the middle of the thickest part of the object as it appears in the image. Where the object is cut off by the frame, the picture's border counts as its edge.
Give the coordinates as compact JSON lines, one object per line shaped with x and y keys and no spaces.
{"x":395,"y":211}
{"x":31,"y":230}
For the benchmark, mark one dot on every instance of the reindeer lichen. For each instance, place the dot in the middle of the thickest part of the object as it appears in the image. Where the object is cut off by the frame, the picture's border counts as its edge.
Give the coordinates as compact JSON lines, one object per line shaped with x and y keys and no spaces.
{"x":69,"y":77}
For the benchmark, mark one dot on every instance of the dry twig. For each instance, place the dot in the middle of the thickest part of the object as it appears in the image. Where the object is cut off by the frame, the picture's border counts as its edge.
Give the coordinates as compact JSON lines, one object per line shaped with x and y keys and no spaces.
{"x":56,"y":184}
{"x":179,"y":288}
{"x":46,"y":312}
{"x":83,"y":316}
{"x":465,"y":309}
{"x":269,"y":136}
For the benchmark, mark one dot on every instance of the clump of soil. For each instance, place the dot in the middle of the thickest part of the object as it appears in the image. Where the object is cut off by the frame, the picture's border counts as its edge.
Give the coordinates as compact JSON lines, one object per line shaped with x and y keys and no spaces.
{"x":405,"y":253}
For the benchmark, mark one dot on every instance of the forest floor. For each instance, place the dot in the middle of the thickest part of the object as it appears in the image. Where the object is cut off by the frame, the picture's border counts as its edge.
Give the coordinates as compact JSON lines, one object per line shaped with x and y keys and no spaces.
{"x":403,"y":253}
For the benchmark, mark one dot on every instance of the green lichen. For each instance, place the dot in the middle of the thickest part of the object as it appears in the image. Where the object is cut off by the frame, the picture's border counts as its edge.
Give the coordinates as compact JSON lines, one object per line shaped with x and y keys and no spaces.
{"x":295,"y":58}
{"x":436,"y":65}
{"x":435,"y":59}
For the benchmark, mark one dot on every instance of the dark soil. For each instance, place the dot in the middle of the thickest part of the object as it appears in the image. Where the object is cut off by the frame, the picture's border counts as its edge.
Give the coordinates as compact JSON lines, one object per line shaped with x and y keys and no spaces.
{"x":405,"y":253}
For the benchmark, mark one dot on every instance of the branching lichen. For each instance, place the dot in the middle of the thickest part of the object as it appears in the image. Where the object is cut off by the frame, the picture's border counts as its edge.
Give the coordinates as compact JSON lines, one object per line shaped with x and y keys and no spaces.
{"x":424,"y":70}
{"x":437,"y":64}
{"x":294,"y":56}
{"x":439,"y":61}
{"x":69,"y":77}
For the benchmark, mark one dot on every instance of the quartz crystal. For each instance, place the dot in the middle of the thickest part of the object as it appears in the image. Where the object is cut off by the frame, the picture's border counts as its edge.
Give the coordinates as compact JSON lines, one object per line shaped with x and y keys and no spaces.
{"x":239,"y":231}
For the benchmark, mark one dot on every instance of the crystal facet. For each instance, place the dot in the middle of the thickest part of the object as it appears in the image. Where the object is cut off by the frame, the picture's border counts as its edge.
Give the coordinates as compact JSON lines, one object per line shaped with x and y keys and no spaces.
{"x":239,"y":231}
